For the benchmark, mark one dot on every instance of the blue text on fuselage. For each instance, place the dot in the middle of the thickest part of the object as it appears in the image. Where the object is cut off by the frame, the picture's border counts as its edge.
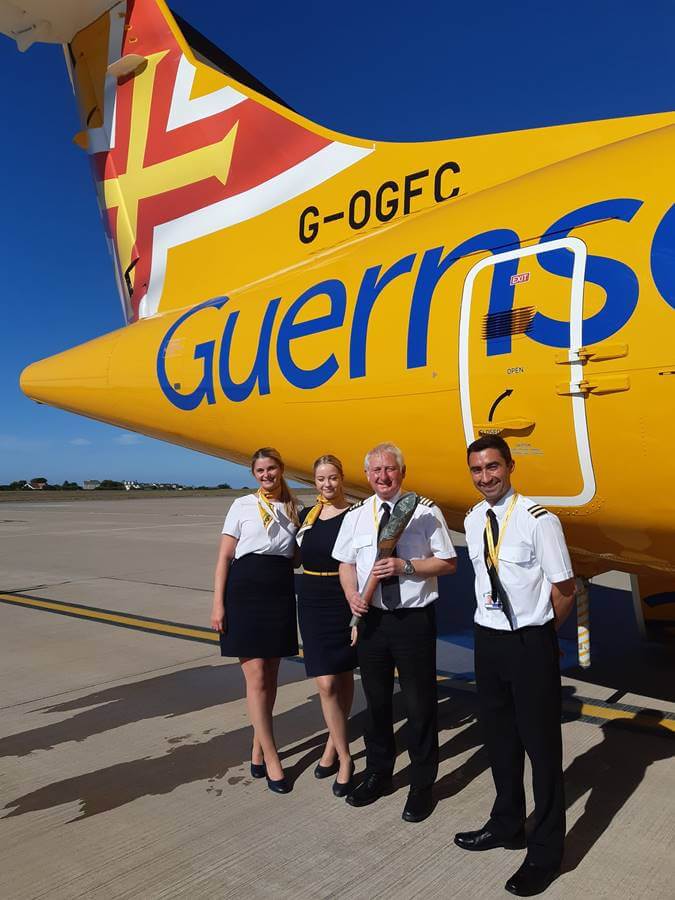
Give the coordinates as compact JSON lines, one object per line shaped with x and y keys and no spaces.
{"x":617,"y":279}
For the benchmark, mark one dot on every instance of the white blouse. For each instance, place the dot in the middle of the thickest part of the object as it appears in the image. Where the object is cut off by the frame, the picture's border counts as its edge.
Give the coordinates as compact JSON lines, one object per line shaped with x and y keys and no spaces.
{"x":243,"y":522}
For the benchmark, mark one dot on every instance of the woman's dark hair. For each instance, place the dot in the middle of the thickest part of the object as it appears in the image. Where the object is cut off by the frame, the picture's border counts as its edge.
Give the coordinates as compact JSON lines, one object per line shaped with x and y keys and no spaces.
{"x":490,"y":442}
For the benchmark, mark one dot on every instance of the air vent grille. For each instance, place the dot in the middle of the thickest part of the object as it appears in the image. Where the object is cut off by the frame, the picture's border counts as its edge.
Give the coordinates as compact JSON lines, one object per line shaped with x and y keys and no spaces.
{"x":511,"y":321}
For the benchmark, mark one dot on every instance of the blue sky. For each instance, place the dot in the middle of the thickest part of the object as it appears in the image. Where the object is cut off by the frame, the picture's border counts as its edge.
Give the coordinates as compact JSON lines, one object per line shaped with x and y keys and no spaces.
{"x":382,"y":69}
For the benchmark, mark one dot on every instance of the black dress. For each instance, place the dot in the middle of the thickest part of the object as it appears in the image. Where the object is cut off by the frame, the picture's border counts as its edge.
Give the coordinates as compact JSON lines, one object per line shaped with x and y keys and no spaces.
{"x":260,"y":619}
{"x":260,"y":608}
{"x":323,"y":612}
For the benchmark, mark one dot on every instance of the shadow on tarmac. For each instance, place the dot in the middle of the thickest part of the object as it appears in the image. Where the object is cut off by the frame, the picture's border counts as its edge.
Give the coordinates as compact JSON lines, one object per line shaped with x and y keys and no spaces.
{"x":191,"y":759}
{"x":163,"y":696}
{"x":610,"y":772}
{"x":620,"y":658}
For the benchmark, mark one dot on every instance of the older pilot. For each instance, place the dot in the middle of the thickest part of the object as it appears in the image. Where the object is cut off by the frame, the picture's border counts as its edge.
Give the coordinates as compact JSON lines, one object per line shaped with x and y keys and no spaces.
{"x":399,"y":630}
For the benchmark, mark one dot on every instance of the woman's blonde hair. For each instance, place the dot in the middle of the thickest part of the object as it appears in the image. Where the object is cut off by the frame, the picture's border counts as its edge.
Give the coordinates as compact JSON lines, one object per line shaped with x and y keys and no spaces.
{"x":286,"y":497}
{"x":329,"y":460}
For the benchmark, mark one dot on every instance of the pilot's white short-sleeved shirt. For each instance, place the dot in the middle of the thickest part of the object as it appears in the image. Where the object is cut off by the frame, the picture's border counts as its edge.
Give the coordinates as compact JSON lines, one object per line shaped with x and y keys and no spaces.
{"x":533,"y":555}
{"x":244,"y":522}
{"x":426,"y":535}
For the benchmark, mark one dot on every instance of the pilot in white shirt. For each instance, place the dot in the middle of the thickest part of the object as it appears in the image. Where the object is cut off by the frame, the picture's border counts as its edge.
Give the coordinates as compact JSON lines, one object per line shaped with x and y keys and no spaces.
{"x":524,"y":587}
{"x":399,"y":628}
{"x":425,"y":535}
{"x":532,"y":557}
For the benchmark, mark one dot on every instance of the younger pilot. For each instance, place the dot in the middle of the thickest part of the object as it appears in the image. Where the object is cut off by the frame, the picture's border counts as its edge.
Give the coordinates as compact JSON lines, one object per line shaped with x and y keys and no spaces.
{"x":524,"y":589}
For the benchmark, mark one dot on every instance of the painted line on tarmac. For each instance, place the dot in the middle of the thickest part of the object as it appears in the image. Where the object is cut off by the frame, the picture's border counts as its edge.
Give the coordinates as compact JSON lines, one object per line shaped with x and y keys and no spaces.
{"x":110,"y":617}
{"x":597,"y":712}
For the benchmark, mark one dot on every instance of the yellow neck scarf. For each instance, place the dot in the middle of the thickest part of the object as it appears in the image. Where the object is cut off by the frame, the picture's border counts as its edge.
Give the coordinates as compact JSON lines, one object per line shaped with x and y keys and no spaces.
{"x":312,"y":516}
{"x":267,"y":512}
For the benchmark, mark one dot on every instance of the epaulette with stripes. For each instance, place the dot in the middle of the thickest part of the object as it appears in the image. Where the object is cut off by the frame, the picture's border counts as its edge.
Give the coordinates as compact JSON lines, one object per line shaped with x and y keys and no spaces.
{"x":537,"y":511}
{"x":471,"y":508}
{"x":426,"y":501}
{"x":356,"y":505}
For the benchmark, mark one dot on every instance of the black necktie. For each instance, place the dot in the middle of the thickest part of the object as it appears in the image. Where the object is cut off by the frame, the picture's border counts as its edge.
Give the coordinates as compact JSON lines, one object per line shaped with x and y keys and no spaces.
{"x":391,"y":588}
{"x":498,"y":592}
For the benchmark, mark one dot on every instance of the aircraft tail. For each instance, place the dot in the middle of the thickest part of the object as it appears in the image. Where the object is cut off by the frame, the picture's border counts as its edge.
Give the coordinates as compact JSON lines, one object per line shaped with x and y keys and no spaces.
{"x":183,"y":143}
{"x":208,"y":183}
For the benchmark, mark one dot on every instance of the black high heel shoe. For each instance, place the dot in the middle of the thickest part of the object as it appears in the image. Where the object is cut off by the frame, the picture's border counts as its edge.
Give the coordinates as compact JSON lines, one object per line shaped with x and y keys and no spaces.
{"x":280,"y":786}
{"x":258,"y":770}
{"x":326,"y":771}
{"x":341,"y":790}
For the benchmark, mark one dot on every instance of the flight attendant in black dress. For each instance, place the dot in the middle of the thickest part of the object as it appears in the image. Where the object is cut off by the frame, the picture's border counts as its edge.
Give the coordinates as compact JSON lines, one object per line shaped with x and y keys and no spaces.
{"x":254,"y":599}
{"x":324,"y":618}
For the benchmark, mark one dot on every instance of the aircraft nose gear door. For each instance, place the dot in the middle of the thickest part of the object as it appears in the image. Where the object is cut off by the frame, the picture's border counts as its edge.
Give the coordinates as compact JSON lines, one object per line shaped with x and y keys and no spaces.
{"x":512,"y":385}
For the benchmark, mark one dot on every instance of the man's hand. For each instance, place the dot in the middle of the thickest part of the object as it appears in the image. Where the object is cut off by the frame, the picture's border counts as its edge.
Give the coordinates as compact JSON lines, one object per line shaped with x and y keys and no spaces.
{"x":385,"y":568}
{"x":356,"y":604}
{"x":563,"y":598}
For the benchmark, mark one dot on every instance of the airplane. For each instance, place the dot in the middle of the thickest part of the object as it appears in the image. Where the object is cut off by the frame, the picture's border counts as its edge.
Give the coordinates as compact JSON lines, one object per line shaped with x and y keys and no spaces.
{"x":287,"y":284}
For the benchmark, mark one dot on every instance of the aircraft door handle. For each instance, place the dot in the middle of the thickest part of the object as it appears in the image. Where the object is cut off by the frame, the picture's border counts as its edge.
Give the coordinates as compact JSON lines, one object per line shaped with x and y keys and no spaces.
{"x":515,"y":426}
{"x":596,"y":354}
{"x":608,"y":384}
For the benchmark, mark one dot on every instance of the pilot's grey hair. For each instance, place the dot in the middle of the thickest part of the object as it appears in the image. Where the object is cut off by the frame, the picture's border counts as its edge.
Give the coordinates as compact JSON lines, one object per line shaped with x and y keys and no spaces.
{"x":378,"y":449}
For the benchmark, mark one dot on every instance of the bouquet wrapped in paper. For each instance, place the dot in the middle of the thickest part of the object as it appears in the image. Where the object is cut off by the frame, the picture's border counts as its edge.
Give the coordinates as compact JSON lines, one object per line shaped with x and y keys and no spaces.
{"x":390,"y":535}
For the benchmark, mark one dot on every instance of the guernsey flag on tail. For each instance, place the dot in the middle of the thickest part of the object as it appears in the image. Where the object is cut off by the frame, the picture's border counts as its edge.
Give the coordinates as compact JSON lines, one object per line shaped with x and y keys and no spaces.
{"x":179,"y":149}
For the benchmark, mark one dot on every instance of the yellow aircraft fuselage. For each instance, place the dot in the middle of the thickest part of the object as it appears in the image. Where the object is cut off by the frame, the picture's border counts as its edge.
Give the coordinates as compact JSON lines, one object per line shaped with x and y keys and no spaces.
{"x":288,"y":285}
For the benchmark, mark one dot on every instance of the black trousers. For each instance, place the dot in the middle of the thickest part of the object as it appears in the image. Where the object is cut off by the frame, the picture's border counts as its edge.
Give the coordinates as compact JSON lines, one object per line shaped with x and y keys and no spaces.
{"x":518,"y":679}
{"x":404,"y":639}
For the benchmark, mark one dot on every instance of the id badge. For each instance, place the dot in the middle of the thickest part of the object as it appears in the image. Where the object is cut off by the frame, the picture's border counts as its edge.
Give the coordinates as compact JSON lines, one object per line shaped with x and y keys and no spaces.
{"x":490,"y":603}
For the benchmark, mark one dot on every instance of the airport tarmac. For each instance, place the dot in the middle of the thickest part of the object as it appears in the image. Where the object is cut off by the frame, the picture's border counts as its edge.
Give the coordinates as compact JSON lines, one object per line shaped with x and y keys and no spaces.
{"x":125,"y":741}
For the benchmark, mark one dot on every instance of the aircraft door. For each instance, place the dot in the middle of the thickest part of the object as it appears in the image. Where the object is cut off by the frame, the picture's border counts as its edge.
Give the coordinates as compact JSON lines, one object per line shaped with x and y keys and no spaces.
{"x":513,"y":385}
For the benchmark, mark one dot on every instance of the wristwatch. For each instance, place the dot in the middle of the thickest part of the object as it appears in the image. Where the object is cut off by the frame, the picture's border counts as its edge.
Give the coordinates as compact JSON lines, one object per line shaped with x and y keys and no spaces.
{"x":408,"y":568}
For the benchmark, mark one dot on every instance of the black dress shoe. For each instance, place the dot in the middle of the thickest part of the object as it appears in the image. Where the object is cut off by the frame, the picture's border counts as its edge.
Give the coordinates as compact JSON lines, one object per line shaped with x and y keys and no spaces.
{"x":418,"y":806}
{"x":371,"y":789}
{"x":326,"y":771}
{"x":280,"y":786}
{"x":258,"y":770}
{"x":484,"y":839}
{"x":530,"y":880}
{"x":341,"y":790}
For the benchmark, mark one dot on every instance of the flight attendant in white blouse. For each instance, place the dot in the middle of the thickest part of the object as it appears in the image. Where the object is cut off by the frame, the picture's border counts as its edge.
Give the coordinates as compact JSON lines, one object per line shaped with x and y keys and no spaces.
{"x":254,"y":600}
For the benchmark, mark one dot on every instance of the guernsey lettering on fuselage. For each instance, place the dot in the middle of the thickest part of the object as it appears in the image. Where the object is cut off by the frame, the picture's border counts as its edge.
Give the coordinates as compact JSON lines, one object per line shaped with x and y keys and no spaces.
{"x":617,"y":279}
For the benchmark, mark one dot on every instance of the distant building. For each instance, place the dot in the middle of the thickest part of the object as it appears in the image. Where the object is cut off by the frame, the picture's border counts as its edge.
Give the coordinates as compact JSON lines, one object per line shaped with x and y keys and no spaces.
{"x":91,"y":485}
{"x":36,"y":484}
{"x":151,"y":486}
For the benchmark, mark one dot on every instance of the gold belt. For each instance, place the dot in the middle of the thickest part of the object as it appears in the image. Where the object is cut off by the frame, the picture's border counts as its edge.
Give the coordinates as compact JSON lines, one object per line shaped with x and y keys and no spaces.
{"x":320,"y":574}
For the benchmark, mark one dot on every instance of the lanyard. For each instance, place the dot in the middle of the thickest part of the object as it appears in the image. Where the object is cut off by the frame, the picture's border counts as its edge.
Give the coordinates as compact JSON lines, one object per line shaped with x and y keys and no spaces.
{"x":376,"y":521}
{"x":493,"y":552}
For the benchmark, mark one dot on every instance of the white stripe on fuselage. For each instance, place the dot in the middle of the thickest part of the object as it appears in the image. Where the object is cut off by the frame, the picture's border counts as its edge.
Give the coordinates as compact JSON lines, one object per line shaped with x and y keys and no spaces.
{"x":283,"y":187}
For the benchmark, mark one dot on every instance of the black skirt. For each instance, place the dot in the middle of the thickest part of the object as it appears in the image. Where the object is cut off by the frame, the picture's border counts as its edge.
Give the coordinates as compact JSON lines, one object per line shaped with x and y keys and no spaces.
{"x":324,"y":617}
{"x":260,"y":617}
